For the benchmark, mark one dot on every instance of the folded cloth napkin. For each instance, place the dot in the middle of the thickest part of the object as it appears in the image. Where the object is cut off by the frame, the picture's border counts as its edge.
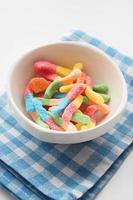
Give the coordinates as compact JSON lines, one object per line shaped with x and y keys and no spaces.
{"x":34,"y":170}
{"x":21,"y":191}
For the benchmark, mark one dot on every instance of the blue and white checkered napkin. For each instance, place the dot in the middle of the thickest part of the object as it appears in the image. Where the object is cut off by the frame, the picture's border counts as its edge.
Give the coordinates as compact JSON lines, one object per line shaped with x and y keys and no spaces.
{"x":35,"y":170}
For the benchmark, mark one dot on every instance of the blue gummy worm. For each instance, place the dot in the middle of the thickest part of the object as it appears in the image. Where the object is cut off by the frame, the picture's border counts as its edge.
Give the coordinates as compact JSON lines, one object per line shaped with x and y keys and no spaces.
{"x":42,"y":111}
{"x":29,"y":103}
{"x":58,"y":109}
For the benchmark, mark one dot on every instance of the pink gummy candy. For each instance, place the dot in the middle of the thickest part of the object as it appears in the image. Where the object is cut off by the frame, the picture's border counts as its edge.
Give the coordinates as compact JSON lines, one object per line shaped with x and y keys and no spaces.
{"x":89,"y":81}
{"x":68,"y":112}
{"x":52,"y":125}
{"x":90,"y":111}
{"x":75,"y":91}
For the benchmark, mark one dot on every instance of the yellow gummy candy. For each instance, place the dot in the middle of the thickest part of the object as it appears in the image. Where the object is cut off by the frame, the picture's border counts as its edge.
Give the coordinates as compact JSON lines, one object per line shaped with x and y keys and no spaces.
{"x":78,"y":66}
{"x":93,"y":96}
{"x":78,"y":126}
{"x":57,"y":77}
{"x":79,"y":111}
{"x":62,"y":71}
{"x":78,"y":101}
{"x":66,"y":88}
{"x":88,"y":126}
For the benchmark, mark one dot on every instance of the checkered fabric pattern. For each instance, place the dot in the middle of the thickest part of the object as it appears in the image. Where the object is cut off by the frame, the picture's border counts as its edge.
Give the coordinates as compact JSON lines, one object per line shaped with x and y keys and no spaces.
{"x":32,"y":169}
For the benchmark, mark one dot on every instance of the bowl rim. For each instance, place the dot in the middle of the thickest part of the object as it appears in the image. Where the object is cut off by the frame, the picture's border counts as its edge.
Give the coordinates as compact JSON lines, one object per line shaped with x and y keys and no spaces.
{"x":75,"y":43}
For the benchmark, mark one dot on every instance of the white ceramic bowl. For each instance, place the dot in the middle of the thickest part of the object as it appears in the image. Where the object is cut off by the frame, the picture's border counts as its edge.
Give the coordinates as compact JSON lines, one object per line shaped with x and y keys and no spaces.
{"x":99,"y":66}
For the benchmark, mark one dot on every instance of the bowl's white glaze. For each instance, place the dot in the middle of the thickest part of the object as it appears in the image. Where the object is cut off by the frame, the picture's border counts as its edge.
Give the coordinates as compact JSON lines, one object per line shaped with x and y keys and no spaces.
{"x":96,"y":64}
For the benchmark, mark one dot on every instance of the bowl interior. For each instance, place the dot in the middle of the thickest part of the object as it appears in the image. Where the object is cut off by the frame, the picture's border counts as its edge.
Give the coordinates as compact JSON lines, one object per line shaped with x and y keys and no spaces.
{"x":96,"y":64}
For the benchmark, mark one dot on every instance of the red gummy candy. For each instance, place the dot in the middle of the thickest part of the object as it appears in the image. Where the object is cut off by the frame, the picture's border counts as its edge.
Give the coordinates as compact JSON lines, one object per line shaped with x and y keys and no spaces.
{"x":45,"y":69}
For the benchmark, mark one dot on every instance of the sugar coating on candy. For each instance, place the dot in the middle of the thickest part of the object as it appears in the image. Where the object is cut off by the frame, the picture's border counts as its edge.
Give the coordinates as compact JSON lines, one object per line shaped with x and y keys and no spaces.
{"x":62,"y":71}
{"x":79,"y":111}
{"x":81,"y":78}
{"x":58,"y":109}
{"x":66,"y":88}
{"x":52,"y":125}
{"x":78,"y":66}
{"x":51,"y":77}
{"x":59,"y":82}
{"x":70,"y":102}
{"x":85,"y":100}
{"x":78,"y":101}
{"x":89,"y":81}
{"x":78,"y":126}
{"x":41,"y":123}
{"x":101,"y":88}
{"x":56,"y":119}
{"x":42,"y":111}
{"x":37,"y":85}
{"x":102,"y":112}
{"x":45,"y":117}
{"x":93,"y":96}
{"x":59,"y":95}
{"x":90,"y":111}
{"x":76,"y":91}
{"x":71,"y":108}
{"x":106,"y":97}
{"x":29,"y":103}
{"x":71,"y":77}
{"x":88,"y":126}
{"x":54,"y":102}
{"x":37,"y":119}
{"x":49,"y":102}
{"x":97,"y":112}
{"x":44,"y":101}
{"x":43,"y":67}
{"x":80,"y":118}
{"x":52,"y":88}
{"x":72,"y":94}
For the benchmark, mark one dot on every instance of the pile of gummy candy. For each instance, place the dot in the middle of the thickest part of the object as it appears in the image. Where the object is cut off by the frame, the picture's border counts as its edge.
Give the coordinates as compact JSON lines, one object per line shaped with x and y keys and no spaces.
{"x":65,"y":99}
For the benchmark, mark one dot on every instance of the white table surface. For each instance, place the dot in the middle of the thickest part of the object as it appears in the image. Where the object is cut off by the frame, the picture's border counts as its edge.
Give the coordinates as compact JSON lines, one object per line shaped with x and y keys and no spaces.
{"x":25,"y":24}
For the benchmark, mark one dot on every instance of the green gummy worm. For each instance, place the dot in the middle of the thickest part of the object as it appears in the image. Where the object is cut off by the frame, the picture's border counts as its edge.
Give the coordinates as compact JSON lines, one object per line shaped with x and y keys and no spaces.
{"x":41,"y":123}
{"x":56,"y":119}
{"x":81,"y":118}
{"x":101,"y":88}
{"x":85,"y":100}
{"x":51,"y":89}
{"x":106,"y":97}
